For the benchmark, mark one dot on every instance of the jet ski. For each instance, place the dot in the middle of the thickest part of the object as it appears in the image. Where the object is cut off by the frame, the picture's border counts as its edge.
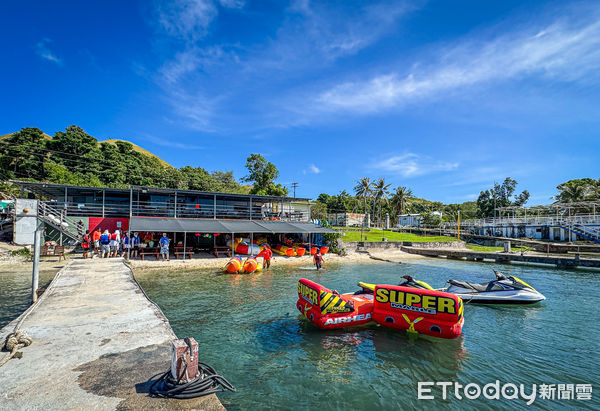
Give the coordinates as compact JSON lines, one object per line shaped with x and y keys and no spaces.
{"x":503,"y":290}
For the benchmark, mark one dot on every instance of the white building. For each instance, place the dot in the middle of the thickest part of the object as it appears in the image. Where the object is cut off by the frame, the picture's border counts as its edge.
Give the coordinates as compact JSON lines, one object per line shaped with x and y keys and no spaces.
{"x":413,"y":220}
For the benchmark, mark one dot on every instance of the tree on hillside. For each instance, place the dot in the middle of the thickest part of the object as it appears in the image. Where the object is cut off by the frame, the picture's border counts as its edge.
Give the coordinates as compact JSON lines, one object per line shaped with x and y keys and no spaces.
{"x":500,"y":196}
{"x":262,"y":175}
{"x":76,"y":150}
{"x":363,"y":189}
{"x":22,"y":154}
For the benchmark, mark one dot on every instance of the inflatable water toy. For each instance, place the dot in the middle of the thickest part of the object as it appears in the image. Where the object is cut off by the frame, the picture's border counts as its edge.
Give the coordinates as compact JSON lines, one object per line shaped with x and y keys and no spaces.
{"x":300,"y":251}
{"x":502,"y":290}
{"x":284,"y":250}
{"x":243,"y":246}
{"x":234,"y":265}
{"x":252,"y":265}
{"x":418,"y":310}
{"x":328,"y":309}
{"x":323,"y":248}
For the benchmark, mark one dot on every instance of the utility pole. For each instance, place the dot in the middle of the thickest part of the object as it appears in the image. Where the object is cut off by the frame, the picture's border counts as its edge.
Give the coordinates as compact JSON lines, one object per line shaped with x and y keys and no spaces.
{"x":294,"y":185}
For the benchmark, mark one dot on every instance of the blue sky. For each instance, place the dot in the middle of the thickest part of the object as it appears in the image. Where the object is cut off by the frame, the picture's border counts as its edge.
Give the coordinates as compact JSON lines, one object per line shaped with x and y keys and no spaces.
{"x":442,"y":97}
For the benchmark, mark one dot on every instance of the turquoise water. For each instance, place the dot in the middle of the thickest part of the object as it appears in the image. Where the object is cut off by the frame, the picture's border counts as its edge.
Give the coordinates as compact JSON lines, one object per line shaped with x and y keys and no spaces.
{"x":15,"y":292}
{"x":248,"y":328}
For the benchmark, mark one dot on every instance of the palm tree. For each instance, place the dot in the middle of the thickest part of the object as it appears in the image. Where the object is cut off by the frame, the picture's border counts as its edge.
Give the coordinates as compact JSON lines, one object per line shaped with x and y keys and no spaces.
{"x":363,"y":189}
{"x":381,"y":191}
{"x":572,"y":193}
{"x":401,"y":199}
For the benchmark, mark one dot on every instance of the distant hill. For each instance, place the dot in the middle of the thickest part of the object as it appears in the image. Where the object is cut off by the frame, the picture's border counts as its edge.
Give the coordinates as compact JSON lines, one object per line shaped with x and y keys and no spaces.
{"x":113,"y":142}
{"x":138,"y":149}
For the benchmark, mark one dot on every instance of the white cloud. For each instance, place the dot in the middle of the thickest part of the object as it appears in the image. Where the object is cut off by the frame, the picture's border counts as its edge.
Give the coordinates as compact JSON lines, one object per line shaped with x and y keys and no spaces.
{"x":186,"y":19}
{"x":560,"y":51}
{"x":232,"y":4}
{"x":314,"y":169}
{"x":42,"y":49}
{"x":411,"y":165}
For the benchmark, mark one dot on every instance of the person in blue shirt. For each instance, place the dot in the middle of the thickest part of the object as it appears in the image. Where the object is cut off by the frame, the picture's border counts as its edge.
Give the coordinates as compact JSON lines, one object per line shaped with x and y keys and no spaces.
{"x":164,"y":246}
{"x":135,"y":243}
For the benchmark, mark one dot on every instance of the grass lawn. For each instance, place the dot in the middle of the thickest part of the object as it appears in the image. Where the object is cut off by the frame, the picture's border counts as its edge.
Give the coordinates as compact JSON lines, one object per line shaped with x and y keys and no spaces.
{"x":476,"y":247}
{"x":376,"y":235}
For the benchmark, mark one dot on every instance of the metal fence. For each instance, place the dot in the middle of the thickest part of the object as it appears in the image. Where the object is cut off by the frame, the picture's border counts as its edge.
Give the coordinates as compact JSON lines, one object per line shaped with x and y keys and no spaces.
{"x":292,"y":212}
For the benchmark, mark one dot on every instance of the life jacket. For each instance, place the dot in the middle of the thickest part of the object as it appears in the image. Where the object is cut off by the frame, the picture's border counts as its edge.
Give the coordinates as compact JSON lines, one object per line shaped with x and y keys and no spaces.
{"x":86,"y":241}
{"x":113,"y":237}
{"x":318,"y":258}
{"x":104,"y":239}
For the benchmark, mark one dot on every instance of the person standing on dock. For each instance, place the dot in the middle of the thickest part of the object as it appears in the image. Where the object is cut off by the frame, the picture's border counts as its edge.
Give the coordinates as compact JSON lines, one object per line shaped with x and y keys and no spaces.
{"x":96,"y":239}
{"x":85,"y":243}
{"x":164,"y":246}
{"x":135,"y":243}
{"x":105,"y":244}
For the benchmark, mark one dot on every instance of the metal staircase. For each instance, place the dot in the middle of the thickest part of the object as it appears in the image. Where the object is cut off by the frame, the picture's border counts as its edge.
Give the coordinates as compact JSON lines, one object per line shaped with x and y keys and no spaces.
{"x":57,"y":220}
{"x":589,"y":233}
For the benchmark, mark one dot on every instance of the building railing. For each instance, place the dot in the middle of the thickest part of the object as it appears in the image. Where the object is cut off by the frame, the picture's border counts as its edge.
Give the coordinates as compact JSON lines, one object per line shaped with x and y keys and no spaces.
{"x":270,"y":211}
{"x":578,"y":219}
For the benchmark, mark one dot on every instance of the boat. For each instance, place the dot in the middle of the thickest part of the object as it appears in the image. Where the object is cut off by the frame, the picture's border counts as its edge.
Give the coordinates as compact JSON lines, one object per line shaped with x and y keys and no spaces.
{"x":503,"y":290}
{"x":234,"y":265}
{"x":252,"y":265}
{"x":417,"y":308}
{"x":329,"y":309}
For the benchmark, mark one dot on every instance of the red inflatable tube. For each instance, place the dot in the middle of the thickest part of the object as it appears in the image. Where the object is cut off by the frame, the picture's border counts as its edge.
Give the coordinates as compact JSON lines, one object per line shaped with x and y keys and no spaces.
{"x":419,"y":311}
{"x":327,"y":310}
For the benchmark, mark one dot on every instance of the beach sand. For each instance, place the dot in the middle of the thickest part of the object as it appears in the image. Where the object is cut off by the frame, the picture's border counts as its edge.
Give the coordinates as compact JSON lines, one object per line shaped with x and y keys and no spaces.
{"x":9,"y":262}
{"x":209,"y":261}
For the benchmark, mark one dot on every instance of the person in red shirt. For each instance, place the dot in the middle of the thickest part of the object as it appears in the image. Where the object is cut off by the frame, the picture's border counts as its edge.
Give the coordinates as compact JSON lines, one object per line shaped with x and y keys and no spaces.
{"x":85,"y":243}
{"x":266,"y":254}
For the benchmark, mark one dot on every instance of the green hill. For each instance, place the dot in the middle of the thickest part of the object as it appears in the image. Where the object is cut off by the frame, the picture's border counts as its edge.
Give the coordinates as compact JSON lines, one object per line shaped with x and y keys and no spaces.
{"x":138,"y":149}
{"x":113,"y":142}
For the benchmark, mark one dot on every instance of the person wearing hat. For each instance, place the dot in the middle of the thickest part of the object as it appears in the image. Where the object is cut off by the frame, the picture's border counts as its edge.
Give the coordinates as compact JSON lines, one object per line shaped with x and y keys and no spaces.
{"x":164,"y":246}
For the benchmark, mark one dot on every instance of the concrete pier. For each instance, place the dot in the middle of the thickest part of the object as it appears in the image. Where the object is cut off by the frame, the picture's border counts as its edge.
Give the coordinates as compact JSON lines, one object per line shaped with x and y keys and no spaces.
{"x":97,"y":340}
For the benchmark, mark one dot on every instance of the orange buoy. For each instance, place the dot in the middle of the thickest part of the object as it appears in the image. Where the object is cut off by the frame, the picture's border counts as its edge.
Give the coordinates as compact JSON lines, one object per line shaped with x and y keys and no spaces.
{"x":324,"y":250}
{"x":300,"y":251}
{"x":250,"y":265}
{"x":234,"y":265}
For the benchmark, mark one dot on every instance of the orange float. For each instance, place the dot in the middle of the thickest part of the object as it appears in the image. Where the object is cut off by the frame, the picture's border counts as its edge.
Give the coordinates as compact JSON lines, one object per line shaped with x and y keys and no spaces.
{"x":284,"y":250}
{"x":300,"y":251}
{"x":419,"y":311}
{"x":328,"y":309}
{"x":251,"y":265}
{"x":234,"y":265}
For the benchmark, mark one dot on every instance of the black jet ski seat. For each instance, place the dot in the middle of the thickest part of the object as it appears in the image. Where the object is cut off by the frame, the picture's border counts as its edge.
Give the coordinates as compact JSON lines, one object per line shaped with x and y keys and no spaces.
{"x":479,"y":287}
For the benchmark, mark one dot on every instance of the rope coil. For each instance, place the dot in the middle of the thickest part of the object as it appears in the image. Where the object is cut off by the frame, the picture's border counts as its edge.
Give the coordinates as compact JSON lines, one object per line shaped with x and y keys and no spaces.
{"x":14,"y":342}
{"x":207,"y":382}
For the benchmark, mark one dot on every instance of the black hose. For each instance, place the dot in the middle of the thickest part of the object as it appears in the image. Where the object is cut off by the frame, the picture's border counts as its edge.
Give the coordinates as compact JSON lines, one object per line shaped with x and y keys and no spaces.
{"x":208,"y":382}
